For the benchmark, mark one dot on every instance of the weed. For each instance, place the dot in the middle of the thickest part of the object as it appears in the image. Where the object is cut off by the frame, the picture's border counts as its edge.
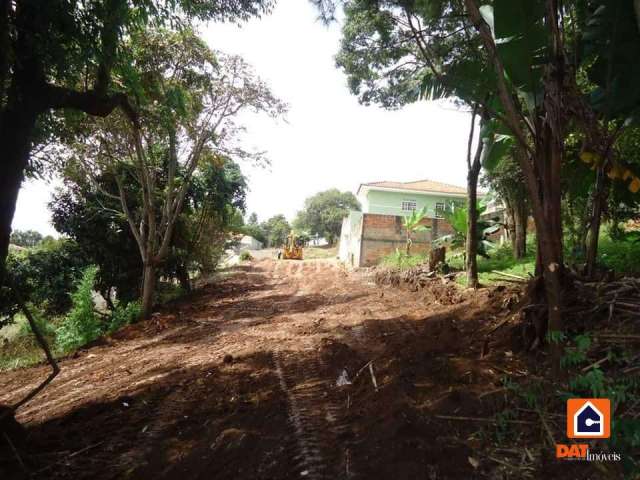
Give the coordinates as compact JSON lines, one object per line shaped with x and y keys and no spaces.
{"x":81,"y":325}
{"x":124,"y":315}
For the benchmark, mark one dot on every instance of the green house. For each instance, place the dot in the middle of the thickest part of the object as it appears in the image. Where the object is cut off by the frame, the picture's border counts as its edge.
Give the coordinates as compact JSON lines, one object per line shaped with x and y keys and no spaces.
{"x":401,"y":198}
{"x":377,"y":231}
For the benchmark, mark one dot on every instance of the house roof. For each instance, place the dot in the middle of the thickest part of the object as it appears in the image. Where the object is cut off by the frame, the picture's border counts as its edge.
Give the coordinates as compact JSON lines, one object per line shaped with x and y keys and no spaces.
{"x":426,"y":186}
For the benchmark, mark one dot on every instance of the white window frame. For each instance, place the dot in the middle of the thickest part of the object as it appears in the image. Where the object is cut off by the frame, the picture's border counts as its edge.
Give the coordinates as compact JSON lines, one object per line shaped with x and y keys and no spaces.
{"x":440,"y":208}
{"x":409,"y":205}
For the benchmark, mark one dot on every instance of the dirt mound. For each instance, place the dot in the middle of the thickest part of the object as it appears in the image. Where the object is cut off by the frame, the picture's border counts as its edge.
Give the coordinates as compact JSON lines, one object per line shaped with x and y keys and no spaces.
{"x":435,"y":288}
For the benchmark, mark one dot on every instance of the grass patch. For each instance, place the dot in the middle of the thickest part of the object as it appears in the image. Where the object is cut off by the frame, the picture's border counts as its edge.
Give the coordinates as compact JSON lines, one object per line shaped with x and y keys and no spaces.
{"x":501,"y":259}
{"x":622,"y":256}
{"x":401,"y":260}
{"x":19,"y":346}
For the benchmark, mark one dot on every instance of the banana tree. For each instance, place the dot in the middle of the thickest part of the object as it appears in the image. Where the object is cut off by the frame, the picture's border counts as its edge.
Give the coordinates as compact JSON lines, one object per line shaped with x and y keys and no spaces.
{"x":412,"y":224}
{"x":458,"y":219}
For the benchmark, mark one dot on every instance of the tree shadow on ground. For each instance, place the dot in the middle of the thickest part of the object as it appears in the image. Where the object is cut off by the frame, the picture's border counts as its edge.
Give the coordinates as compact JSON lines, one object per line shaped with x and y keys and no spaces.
{"x":216,"y":420}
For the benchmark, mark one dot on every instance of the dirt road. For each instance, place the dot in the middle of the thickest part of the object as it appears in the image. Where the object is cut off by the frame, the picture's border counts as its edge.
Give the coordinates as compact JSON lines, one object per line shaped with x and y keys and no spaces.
{"x":238,"y":381}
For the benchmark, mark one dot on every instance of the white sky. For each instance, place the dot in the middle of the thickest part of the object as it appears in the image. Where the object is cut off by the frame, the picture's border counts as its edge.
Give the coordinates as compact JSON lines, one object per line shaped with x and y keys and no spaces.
{"x":328,"y":139}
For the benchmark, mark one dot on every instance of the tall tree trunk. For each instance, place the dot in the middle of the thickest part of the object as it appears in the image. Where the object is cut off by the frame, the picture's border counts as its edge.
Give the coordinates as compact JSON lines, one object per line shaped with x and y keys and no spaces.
{"x":472,"y":228}
{"x":473,"y":171}
{"x":16,"y":128}
{"x":596,"y":216}
{"x":148,"y":289}
{"x":520,"y":221}
{"x":542,"y":176}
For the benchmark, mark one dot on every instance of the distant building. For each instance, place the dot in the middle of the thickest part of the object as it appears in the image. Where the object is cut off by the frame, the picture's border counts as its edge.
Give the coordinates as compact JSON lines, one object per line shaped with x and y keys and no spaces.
{"x":378,"y":230}
{"x":247,"y":242}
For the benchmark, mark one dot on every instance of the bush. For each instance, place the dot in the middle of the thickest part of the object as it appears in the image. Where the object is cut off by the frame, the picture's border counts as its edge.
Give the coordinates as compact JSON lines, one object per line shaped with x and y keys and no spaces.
{"x":622,"y":256}
{"x":82,"y":324}
{"x":44,"y":276}
{"x":124,"y":315}
{"x":245,"y":256}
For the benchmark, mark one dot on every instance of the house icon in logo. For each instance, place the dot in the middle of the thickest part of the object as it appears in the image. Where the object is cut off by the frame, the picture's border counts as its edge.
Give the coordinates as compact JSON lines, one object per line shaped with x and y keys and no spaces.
{"x":588,"y":421}
{"x":588,"y":417}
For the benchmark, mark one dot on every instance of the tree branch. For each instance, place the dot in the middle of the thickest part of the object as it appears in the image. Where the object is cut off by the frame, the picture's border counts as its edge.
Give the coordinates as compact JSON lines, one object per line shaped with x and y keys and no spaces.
{"x":90,"y":102}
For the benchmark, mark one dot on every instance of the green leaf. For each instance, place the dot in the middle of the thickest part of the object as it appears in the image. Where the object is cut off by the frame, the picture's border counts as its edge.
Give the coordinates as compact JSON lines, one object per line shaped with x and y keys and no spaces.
{"x":521,"y":41}
{"x":487,"y":15}
{"x":495,"y":149}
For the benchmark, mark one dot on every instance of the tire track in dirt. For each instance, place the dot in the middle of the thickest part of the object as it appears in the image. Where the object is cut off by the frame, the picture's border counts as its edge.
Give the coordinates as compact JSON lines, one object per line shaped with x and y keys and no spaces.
{"x":317,"y":421}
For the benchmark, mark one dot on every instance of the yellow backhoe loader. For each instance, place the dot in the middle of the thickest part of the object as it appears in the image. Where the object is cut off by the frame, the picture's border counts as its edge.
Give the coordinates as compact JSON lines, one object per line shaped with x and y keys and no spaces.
{"x":292,"y":249}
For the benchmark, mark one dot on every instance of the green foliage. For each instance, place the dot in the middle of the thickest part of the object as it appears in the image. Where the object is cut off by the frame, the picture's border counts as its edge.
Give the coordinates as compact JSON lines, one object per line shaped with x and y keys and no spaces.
{"x":522,"y":42}
{"x":501,"y":260}
{"x":102,"y":235}
{"x":79,"y":46}
{"x":622,"y":256}
{"x":412,"y":224}
{"x":586,"y":380}
{"x":245,"y":256}
{"x":611,"y":48}
{"x":457,"y":218}
{"x":576,"y":353}
{"x":213,"y":209}
{"x":253,"y":229}
{"x":383,"y":56}
{"x":276,"y":230}
{"x":123,"y":315}
{"x":323,"y":213}
{"x":402,"y":261}
{"x":26,"y":238}
{"x":44,"y":276}
{"x":82,"y":324}
{"x":104,"y":238}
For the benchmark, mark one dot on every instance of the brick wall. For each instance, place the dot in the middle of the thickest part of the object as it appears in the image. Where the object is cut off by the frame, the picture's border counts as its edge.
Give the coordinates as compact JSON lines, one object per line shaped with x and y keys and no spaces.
{"x":382,"y":234}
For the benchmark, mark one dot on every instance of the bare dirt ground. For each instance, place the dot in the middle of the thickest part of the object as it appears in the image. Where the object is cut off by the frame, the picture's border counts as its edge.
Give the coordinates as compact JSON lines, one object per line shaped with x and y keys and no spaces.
{"x":238,"y":381}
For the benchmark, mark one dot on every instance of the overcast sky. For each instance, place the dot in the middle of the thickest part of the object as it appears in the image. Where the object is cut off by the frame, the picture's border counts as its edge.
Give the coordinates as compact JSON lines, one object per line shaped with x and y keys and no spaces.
{"x":328,"y":140}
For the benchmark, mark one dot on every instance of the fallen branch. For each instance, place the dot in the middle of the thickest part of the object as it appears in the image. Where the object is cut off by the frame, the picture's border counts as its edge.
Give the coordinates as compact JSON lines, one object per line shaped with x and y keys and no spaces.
{"x":480,"y":419}
{"x":361,"y":370}
{"x":510,"y":275}
{"x":491,"y":392}
{"x":595,"y":364}
{"x":373,"y":377}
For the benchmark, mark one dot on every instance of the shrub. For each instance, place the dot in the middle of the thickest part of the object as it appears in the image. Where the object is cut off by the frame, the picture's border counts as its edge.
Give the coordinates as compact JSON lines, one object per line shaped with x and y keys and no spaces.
{"x":245,"y":256}
{"x":44,"y":276}
{"x":82,"y":324}
{"x":124,"y":315}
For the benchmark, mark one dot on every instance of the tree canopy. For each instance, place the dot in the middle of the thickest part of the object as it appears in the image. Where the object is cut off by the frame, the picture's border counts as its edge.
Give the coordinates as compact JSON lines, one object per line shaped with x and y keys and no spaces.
{"x":26,"y":238}
{"x":59,"y":57}
{"x":323,"y":213}
{"x":275,"y":230}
